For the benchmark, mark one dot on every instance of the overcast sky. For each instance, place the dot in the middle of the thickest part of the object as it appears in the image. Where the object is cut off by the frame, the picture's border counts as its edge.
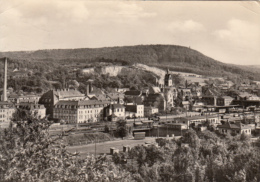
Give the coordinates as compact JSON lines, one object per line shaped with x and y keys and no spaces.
{"x":226,"y":31}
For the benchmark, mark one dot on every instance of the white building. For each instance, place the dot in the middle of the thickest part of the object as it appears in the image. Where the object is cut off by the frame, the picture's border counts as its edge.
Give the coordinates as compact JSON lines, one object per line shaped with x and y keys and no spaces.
{"x":134,"y":111}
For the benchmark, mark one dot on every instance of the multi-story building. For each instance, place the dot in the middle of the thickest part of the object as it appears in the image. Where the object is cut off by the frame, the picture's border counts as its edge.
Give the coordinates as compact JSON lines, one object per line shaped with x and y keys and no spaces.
{"x":115,"y":112}
{"x":37,"y":110}
{"x":82,"y":111}
{"x":52,"y":97}
{"x":24,"y":98}
{"x":224,"y":101}
{"x":156,"y":100}
{"x":149,"y":110}
{"x":134,"y":111}
{"x":6,"y":111}
{"x":197,"y":120}
{"x":236,"y":128}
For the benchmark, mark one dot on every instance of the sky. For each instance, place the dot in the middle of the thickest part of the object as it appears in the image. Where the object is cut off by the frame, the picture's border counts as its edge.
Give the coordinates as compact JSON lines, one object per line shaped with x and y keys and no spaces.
{"x":227,"y":31}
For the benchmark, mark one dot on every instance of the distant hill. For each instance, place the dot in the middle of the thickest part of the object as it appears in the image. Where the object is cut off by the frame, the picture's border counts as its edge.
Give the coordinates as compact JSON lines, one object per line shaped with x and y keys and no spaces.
{"x":177,"y":58}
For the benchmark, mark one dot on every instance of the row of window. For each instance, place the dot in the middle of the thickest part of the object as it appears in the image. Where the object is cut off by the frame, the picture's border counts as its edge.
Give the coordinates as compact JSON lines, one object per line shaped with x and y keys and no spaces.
{"x":118,"y":110}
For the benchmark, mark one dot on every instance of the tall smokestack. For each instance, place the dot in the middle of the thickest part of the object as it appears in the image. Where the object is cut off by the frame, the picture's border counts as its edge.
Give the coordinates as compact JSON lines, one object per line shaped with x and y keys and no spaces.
{"x":5,"y":81}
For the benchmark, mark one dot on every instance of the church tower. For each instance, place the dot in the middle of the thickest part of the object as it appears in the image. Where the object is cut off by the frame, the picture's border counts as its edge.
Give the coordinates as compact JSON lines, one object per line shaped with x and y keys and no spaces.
{"x":168,"y":79}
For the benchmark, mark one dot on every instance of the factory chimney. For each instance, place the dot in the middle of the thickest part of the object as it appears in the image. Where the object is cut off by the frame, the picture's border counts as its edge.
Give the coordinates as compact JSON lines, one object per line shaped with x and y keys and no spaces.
{"x":5,"y":81}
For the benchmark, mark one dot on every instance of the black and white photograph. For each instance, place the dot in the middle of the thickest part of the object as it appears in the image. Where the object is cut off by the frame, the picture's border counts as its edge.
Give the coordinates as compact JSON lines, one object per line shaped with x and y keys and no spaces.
{"x":129,"y":91}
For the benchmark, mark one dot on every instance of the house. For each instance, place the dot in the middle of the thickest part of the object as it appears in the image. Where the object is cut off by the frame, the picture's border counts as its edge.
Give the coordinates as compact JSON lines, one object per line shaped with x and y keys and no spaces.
{"x":224,"y":101}
{"x":176,"y":126}
{"x":24,"y":98}
{"x":19,"y":74}
{"x":7,"y":110}
{"x":198,"y":120}
{"x":79,"y":111}
{"x":156,"y":100}
{"x":149,"y":110}
{"x":134,"y":111}
{"x":52,"y":97}
{"x":234,"y":128}
{"x":209,"y":100}
{"x":186,"y":105}
{"x":115,"y":112}
{"x":116,"y":98}
{"x":134,"y":96}
{"x":35,"y":109}
{"x":185,"y":92}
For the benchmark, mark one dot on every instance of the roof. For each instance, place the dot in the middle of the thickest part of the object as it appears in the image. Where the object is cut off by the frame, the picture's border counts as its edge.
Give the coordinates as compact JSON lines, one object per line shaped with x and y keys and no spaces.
{"x":62,"y":93}
{"x":154,"y":90}
{"x":228,"y":125}
{"x":82,"y":102}
{"x":131,"y":108}
{"x":114,"y":106}
{"x":133,"y":92}
{"x":96,"y":91}
{"x":22,"y":96}
{"x":227,"y":97}
{"x":68,"y":93}
{"x":30,"y":106}
{"x":195,"y":118}
{"x":115,"y":95}
{"x":244,"y":94}
{"x":5,"y":103}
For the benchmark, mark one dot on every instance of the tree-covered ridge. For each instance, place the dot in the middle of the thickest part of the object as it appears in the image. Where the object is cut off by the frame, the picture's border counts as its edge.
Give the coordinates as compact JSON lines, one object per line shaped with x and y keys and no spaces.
{"x":178,"y":58}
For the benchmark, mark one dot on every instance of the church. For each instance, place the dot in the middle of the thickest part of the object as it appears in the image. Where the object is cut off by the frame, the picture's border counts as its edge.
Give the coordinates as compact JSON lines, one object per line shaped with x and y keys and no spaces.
{"x":162,"y":97}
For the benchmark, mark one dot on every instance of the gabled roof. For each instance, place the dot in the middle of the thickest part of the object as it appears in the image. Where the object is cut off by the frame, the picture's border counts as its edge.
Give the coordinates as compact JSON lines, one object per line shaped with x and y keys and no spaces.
{"x":227,"y":97}
{"x":154,"y":90}
{"x":82,"y":102}
{"x":133,"y":93}
{"x":131,"y":108}
{"x":30,"y":106}
{"x":115,"y":106}
{"x":229,"y":125}
{"x":114,"y":96}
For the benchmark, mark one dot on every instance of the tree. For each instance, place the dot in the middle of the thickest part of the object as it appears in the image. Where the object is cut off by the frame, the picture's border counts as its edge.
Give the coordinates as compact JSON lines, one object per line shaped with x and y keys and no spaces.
{"x":28,"y":153}
{"x":121,"y":128}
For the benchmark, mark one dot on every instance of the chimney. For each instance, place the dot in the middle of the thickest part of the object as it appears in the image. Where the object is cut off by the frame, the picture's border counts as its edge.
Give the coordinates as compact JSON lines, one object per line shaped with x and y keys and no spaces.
{"x":87,"y":89}
{"x":5,"y":81}
{"x":90,"y":87}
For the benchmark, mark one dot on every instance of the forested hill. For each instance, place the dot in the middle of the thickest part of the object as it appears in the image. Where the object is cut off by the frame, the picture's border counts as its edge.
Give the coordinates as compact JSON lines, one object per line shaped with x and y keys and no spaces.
{"x":177,"y":58}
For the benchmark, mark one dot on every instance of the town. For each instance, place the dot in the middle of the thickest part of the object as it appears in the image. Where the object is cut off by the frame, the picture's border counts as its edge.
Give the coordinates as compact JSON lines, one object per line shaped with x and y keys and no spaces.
{"x":161,"y":110}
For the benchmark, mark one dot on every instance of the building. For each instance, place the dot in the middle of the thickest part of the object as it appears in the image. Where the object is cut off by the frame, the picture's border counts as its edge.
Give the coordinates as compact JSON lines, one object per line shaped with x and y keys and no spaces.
{"x":176,"y":126}
{"x":149,"y":111}
{"x":24,"y":98}
{"x":115,"y":98}
{"x":170,"y":94}
{"x":236,"y":128}
{"x":35,"y":109}
{"x":19,"y":74}
{"x":7,"y":110}
{"x":79,"y":111}
{"x":52,"y":97}
{"x":198,"y":120}
{"x":209,"y":100}
{"x":134,"y":111}
{"x":115,"y":112}
{"x":168,"y":79}
{"x":156,"y":100}
{"x":224,"y":101}
{"x":134,"y":96}
{"x":186,"y":93}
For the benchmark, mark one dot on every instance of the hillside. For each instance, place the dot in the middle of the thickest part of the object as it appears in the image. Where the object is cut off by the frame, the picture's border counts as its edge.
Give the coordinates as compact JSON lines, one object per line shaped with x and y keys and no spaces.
{"x":177,"y":58}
